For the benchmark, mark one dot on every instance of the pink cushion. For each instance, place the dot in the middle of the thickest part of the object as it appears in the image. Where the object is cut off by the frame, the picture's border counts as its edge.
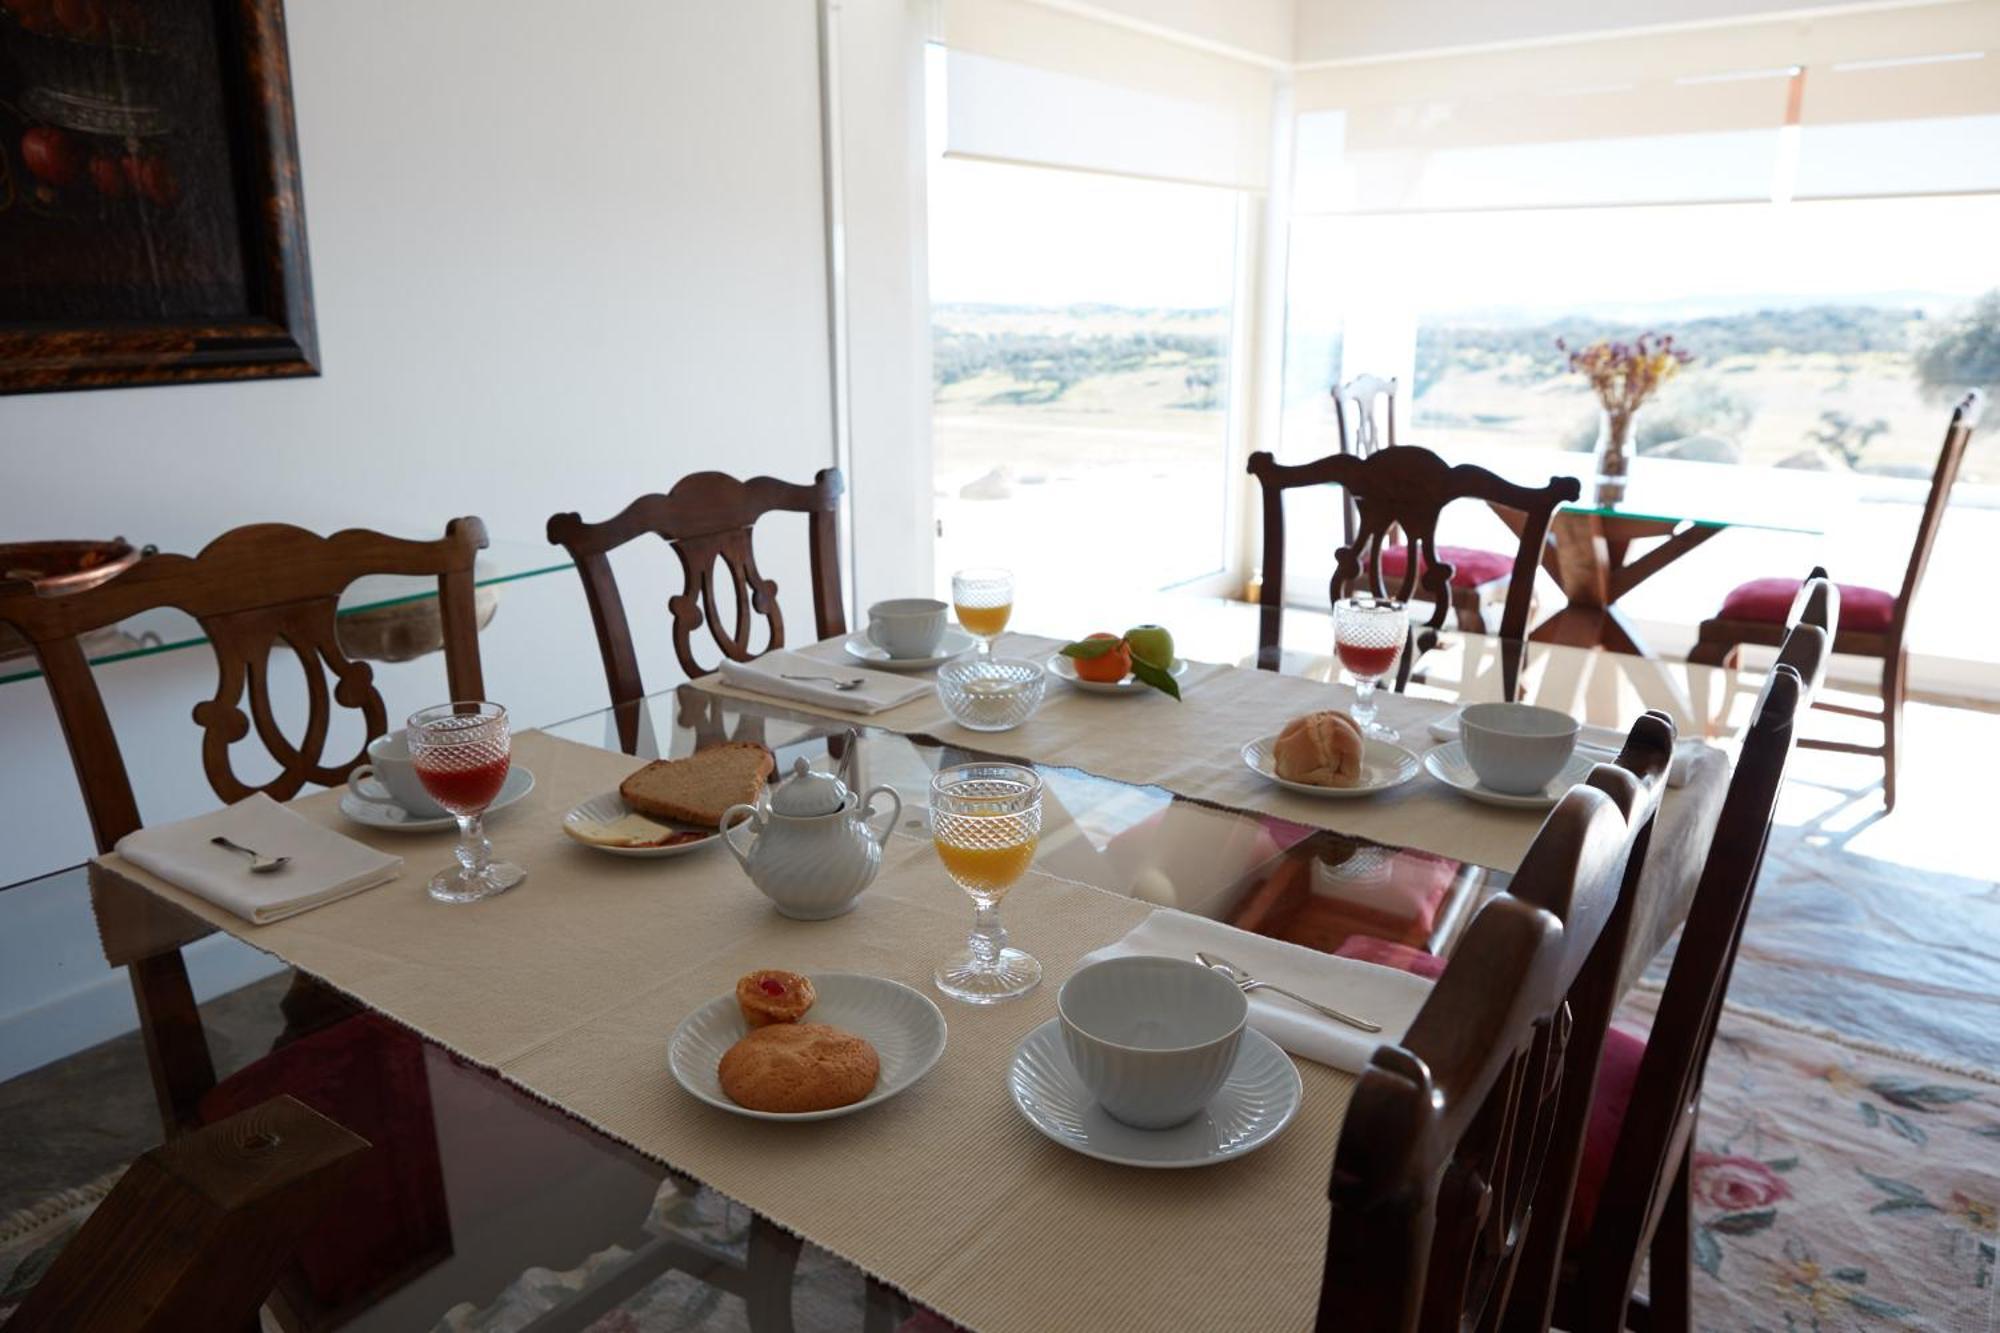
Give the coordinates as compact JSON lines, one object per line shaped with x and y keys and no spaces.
{"x":1368,"y":949}
{"x":1867,"y":610}
{"x":1617,"y":1072}
{"x":1469,"y":568}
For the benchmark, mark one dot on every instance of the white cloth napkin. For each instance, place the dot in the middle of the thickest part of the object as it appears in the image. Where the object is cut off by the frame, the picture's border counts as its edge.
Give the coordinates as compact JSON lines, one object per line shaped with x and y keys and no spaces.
{"x":1379,"y":994}
{"x":325,"y":866}
{"x":766,"y":675}
{"x":1589,"y":737}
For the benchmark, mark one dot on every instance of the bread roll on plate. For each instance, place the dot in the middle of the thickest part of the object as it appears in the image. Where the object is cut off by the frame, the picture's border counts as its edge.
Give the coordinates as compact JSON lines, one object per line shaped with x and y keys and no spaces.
{"x":1320,"y":749}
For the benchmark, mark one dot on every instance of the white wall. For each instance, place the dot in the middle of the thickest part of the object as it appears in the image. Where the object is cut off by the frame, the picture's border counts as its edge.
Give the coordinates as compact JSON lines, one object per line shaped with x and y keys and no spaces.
{"x":1330,"y":30}
{"x":561,"y":257}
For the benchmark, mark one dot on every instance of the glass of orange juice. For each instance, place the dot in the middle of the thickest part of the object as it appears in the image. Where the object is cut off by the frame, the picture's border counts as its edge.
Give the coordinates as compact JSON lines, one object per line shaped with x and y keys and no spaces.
{"x":986,"y":819}
{"x":982,"y":600}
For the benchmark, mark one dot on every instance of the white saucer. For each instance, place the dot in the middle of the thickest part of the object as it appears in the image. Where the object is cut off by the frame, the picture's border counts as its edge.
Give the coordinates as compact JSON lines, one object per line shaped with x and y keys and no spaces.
{"x":1384,"y":765}
{"x":955,"y":643}
{"x":1448,"y":765}
{"x":607,"y":806}
{"x":905,"y":1028}
{"x":1258,"y":1100}
{"x":382,"y":814}
{"x":1064,"y":669}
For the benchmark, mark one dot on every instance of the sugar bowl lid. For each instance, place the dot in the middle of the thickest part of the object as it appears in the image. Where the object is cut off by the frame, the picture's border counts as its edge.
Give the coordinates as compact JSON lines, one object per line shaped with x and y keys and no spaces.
{"x":806,"y":793}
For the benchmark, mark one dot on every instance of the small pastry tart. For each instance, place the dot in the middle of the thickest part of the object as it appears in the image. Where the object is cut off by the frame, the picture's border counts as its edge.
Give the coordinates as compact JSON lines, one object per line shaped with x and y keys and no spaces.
{"x":771,"y":995}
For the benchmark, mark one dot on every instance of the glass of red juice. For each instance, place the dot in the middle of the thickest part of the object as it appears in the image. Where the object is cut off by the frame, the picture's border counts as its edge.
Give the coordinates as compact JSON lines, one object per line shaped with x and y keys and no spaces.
{"x":461,"y":753}
{"x":1368,"y":635}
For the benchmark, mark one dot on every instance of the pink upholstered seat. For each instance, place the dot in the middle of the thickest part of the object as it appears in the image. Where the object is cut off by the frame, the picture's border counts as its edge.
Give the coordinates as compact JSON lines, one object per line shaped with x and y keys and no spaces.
{"x":1387,"y":953}
{"x":1617,"y":1072}
{"x":1865,"y":610}
{"x":1470,"y":568}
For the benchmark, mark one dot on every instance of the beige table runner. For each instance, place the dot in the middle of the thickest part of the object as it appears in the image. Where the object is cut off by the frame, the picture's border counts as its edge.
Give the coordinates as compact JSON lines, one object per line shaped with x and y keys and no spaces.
{"x":571,"y":985}
{"x":1194,"y":749}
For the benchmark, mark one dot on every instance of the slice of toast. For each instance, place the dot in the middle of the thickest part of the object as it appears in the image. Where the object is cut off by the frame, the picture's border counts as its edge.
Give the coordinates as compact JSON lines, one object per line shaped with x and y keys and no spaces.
{"x":697,"y":789}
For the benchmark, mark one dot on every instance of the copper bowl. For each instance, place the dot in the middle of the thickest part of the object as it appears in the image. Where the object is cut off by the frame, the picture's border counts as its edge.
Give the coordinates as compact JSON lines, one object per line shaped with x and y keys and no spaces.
{"x":55,"y":568}
{"x":59,"y":567}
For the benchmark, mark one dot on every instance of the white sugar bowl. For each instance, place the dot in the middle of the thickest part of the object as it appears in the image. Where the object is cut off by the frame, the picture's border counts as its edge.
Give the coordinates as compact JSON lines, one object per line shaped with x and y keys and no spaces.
{"x":815,"y":849}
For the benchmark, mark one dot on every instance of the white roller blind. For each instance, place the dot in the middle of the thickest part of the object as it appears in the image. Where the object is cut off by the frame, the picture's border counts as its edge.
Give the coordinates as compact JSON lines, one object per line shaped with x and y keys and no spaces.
{"x":1820,"y":107}
{"x":1906,"y":102}
{"x":1025,"y":83}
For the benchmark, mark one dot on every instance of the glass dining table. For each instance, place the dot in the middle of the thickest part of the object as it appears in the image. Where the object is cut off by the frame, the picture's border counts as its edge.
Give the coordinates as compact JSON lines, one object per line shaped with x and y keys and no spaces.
{"x":1599,"y":552}
{"x":544,"y":1223}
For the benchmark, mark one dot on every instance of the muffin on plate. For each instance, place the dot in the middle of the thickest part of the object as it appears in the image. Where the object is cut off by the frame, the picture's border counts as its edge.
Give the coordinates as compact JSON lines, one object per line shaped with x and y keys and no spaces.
{"x":772,"y":995}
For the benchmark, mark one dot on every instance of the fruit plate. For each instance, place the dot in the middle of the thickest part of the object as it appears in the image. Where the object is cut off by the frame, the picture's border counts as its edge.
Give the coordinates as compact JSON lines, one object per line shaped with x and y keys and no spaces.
{"x":1064,"y":669}
{"x":606,"y":816}
{"x":1383,"y":766}
{"x":905,"y":1028}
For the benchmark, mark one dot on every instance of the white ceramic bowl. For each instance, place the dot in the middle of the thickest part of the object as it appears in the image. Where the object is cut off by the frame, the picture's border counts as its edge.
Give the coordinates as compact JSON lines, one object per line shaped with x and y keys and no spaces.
{"x":1152,"y":1038}
{"x":1516,"y":748}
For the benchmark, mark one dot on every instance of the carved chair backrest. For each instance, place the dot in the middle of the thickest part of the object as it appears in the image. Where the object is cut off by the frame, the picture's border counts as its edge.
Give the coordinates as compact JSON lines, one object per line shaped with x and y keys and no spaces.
{"x":1439,"y":1158}
{"x":708,"y":519}
{"x":1655,"y":1129}
{"x":1408,"y":488}
{"x":253,"y":589}
{"x":1589,"y":981}
{"x":1363,"y":429}
{"x":1957,"y":436}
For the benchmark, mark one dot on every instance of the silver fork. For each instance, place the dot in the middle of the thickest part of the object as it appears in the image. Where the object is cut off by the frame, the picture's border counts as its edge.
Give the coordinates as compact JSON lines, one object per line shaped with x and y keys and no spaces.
{"x":842,"y":685}
{"x":1247,"y":983}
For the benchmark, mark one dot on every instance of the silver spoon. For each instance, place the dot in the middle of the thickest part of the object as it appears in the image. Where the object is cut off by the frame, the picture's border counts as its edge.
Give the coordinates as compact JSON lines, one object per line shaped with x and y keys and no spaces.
{"x":1247,"y":983}
{"x":842,"y":685}
{"x":260,"y":864}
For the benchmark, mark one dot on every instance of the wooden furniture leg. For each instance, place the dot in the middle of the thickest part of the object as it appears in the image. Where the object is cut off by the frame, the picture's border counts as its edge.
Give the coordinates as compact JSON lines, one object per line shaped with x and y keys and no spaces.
{"x":774,"y":1254}
{"x":195,"y":1233}
{"x":1895,"y":686}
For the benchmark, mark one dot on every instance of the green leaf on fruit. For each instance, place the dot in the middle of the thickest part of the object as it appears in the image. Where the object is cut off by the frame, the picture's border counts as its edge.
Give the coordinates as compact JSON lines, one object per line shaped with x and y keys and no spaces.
{"x":1085,"y":650}
{"x":1163,"y":681}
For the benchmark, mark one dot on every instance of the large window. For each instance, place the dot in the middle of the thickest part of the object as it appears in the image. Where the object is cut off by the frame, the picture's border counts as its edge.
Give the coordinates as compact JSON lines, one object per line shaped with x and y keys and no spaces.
{"x":1081,"y":328}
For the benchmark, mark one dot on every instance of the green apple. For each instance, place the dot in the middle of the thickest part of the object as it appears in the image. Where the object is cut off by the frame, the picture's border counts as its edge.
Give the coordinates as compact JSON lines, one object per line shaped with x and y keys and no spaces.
{"x":1151,"y":643}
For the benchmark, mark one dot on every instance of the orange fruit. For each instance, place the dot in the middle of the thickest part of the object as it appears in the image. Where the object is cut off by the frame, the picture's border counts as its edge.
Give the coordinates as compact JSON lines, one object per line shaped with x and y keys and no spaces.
{"x":1109,"y":668}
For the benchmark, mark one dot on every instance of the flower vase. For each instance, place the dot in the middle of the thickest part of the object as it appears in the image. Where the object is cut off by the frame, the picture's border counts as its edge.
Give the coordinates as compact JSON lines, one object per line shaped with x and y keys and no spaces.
{"x":1614,"y":455}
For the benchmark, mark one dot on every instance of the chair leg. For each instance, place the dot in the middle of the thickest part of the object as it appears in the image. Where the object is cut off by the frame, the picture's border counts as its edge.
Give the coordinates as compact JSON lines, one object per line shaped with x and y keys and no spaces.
{"x":1715,"y":653}
{"x":1895,"y":685}
{"x":1471,"y":612}
{"x":774,"y":1253}
{"x":1669,"y":1255}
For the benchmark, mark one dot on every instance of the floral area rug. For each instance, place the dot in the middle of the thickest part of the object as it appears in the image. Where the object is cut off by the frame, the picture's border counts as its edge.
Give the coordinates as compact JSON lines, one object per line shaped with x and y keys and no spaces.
{"x":31,"y":1239}
{"x":1839,"y":1186}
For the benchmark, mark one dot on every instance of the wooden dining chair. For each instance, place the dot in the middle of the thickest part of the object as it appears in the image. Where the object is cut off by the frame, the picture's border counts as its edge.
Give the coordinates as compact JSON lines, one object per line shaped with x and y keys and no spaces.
{"x":1631,"y":1203}
{"x":1406,"y":488}
{"x":195,"y":1233}
{"x":1449,"y":1131}
{"x":708,"y":518}
{"x":1364,"y":410}
{"x":1874,"y":622}
{"x":258,"y":591}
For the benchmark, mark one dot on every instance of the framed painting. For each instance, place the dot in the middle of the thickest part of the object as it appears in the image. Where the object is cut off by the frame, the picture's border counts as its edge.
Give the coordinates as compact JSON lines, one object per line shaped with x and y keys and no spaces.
{"x":152,"y":222}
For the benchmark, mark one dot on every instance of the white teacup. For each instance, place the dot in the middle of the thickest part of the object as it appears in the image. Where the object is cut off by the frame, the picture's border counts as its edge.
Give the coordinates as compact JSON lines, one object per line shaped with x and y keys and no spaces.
{"x":390,"y":778}
{"x":907,"y":626}
{"x":1516,"y":748}
{"x":1152,"y":1038}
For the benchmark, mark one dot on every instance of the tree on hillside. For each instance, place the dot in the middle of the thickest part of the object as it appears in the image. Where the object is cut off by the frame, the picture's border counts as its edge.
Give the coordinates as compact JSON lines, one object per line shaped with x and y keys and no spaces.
{"x":1963,"y":353}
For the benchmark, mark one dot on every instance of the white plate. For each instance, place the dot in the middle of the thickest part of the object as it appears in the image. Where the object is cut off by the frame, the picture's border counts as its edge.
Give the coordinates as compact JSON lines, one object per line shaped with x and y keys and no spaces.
{"x":905,"y":1028}
{"x":1064,"y":669}
{"x":1383,"y":765}
{"x":955,"y":643}
{"x":1448,"y":765}
{"x":1257,"y":1101}
{"x":608,"y":806}
{"x":381,"y":814}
